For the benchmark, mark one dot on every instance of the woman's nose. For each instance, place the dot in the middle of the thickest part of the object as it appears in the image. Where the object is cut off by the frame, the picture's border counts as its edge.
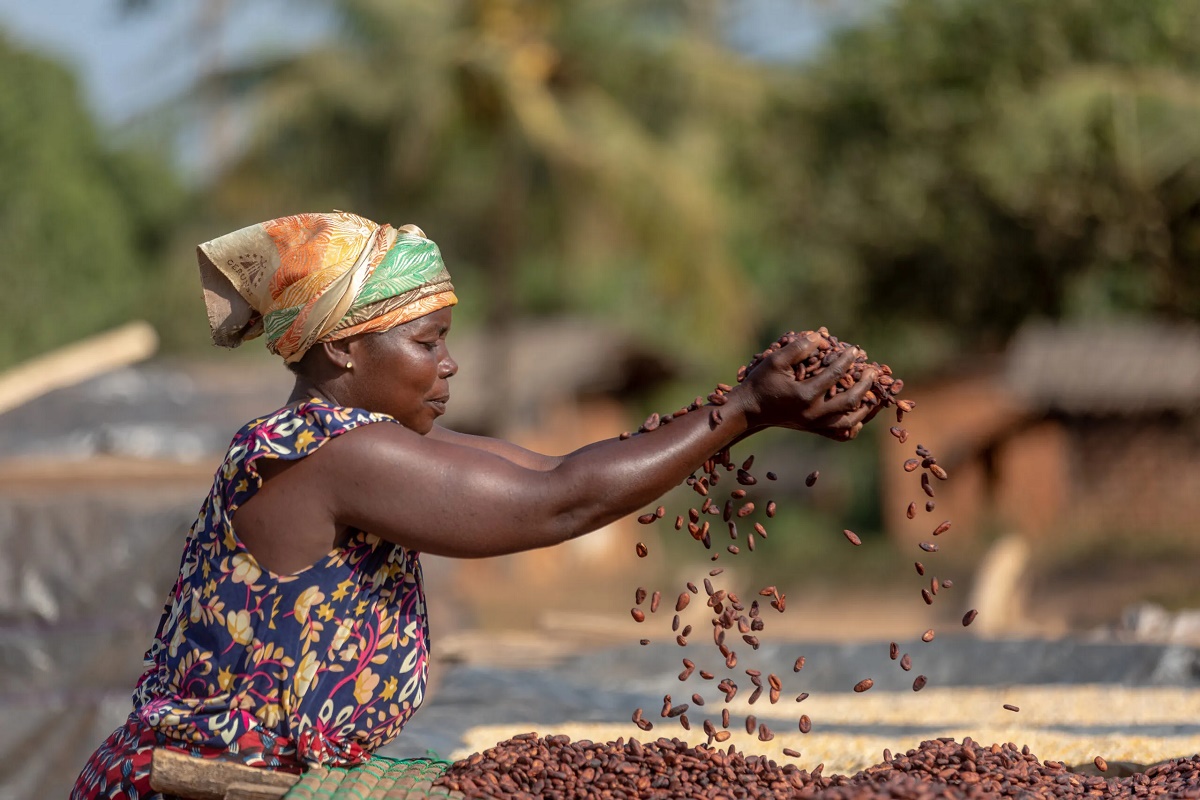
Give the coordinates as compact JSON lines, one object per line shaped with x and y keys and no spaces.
{"x":448,"y":367}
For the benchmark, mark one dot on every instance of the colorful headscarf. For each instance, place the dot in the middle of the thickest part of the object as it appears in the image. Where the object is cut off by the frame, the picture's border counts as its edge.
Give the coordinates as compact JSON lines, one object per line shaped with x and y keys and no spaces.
{"x":319,"y":277}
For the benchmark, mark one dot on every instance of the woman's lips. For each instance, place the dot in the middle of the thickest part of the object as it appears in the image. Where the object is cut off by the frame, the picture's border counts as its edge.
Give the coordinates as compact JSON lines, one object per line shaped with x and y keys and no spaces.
{"x":440,"y":403}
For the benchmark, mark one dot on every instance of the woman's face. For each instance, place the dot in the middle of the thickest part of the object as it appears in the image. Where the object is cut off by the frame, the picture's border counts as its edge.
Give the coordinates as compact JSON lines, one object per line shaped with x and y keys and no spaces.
{"x":404,"y":371}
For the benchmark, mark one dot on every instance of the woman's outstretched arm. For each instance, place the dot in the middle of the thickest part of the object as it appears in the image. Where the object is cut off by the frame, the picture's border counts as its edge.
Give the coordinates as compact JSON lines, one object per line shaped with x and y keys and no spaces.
{"x":443,"y":498}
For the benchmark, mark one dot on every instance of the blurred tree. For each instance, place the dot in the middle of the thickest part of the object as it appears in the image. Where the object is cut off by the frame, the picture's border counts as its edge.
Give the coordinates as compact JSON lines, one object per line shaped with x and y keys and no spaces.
{"x":82,"y":224}
{"x":567,"y":155}
{"x":947,"y":168}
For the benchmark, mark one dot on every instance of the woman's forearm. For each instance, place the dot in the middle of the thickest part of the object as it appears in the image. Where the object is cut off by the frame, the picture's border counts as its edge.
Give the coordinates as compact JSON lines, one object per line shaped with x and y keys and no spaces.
{"x":606,"y":480}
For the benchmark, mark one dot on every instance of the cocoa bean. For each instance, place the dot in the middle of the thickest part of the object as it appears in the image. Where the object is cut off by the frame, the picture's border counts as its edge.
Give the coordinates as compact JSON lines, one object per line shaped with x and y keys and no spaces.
{"x":646,"y":519}
{"x":812,"y":478}
{"x":852,"y":537}
{"x":940,"y":529}
{"x":928,"y":547}
{"x":771,"y":508}
{"x":682,"y":602}
{"x":912,"y":510}
{"x":905,"y":662}
{"x":641,"y":550}
{"x":919,"y":683}
{"x":638,"y":615}
{"x":928,"y":635}
{"x":1009,"y":707}
{"x":969,"y":617}
{"x":654,"y":600}
{"x":864,"y":685}
{"x":799,"y":665}
{"x":805,"y":723}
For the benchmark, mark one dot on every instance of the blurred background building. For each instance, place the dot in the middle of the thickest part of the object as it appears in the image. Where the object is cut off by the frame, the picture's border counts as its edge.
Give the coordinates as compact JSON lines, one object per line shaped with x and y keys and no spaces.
{"x":999,"y":198}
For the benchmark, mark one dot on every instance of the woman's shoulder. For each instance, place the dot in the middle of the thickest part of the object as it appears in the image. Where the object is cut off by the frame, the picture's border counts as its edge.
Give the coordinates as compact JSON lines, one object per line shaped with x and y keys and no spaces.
{"x":288,"y":434}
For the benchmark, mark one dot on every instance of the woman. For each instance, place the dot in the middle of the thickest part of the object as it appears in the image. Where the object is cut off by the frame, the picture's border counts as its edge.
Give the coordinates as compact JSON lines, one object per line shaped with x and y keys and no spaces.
{"x":295,"y":635}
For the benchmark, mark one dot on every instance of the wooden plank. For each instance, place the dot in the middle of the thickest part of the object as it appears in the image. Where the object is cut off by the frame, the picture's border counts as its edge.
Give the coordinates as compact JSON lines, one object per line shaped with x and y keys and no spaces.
{"x":195,"y":778}
{"x":248,"y":791}
{"x":76,"y":363}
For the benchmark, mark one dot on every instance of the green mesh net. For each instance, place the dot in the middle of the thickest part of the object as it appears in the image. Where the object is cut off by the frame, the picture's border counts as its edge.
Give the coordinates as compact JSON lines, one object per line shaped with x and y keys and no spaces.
{"x":381,"y":778}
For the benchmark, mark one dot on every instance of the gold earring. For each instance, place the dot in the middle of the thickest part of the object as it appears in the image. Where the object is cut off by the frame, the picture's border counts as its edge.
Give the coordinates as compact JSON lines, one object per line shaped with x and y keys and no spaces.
{"x":349,"y":365}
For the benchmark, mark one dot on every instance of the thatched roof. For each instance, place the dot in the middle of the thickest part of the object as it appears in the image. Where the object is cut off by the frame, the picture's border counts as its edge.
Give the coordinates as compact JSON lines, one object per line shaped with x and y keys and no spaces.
{"x":539,"y":364}
{"x":1109,"y":368}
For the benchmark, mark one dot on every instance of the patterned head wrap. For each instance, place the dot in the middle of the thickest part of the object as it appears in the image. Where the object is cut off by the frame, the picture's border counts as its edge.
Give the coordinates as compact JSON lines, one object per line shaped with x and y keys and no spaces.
{"x":318,"y":277}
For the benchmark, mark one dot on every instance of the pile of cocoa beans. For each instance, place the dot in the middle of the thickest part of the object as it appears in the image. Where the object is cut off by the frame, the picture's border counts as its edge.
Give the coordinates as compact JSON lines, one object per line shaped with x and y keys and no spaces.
{"x":529,"y":766}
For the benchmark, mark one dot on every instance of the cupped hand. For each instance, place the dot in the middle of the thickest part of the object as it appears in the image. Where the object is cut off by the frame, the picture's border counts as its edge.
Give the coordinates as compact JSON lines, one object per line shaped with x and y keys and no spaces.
{"x":777,"y":399}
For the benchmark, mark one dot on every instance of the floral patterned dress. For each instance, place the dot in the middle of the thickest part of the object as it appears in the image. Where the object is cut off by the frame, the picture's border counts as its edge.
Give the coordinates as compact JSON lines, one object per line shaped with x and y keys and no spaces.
{"x":319,"y":668}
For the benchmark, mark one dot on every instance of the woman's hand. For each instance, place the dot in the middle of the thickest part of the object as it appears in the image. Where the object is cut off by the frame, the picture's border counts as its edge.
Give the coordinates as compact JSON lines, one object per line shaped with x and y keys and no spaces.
{"x":774,"y":398}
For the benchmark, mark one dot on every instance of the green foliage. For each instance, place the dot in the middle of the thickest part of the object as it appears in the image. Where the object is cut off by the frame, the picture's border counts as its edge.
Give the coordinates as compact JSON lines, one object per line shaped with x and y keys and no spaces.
{"x":567,"y":156}
{"x":952,"y":168}
{"x":80,"y":223}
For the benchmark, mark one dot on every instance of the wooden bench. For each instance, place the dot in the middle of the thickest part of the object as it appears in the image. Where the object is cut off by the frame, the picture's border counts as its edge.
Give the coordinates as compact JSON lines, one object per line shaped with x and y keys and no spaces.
{"x":194,"y":778}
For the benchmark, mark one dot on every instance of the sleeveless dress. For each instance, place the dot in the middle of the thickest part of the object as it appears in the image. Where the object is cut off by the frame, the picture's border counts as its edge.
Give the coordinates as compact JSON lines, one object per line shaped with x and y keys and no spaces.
{"x":319,"y":668}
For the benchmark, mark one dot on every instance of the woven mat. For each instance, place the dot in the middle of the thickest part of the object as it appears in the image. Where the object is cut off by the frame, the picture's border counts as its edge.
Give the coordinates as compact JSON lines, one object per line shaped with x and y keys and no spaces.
{"x":381,"y":778}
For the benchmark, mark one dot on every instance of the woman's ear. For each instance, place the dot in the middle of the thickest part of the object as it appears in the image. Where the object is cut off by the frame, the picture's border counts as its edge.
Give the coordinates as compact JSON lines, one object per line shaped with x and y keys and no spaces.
{"x":337,"y":353}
